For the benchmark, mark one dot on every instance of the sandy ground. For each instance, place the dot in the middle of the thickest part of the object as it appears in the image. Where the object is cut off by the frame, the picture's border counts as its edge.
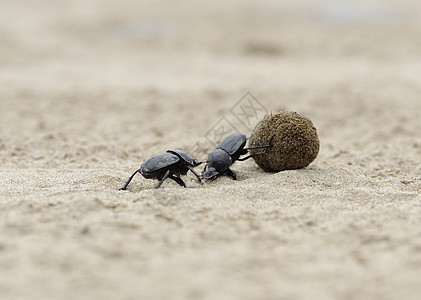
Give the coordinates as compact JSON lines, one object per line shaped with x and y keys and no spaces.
{"x":91,"y":89}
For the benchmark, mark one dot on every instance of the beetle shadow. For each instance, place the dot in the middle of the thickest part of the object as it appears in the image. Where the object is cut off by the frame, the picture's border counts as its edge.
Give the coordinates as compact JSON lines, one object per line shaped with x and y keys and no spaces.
{"x":166,"y":197}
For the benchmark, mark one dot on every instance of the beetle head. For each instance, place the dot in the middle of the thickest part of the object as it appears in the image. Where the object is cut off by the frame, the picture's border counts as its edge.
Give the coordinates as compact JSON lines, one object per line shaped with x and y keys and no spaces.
{"x":209,"y":173}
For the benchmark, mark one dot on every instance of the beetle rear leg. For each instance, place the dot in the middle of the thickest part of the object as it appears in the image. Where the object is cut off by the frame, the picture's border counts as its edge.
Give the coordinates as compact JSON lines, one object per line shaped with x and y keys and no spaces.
{"x":257,"y":147}
{"x":178,"y":180}
{"x":130,"y":179}
{"x":263,"y":146}
{"x":251,"y":155}
{"x":166,"y":175}
{"x":229,"y":172}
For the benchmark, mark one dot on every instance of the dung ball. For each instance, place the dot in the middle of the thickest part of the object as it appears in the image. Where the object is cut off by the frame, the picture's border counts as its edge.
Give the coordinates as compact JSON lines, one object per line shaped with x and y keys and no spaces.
{"x":293,"y":140}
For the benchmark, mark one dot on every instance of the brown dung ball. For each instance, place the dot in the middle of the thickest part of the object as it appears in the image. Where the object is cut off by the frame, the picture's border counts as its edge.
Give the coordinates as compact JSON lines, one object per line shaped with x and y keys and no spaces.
{"x":293,"y":139}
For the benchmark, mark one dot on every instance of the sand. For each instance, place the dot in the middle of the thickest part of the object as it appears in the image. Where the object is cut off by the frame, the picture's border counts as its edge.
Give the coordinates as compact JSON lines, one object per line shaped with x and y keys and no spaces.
{"x":91,"y":89}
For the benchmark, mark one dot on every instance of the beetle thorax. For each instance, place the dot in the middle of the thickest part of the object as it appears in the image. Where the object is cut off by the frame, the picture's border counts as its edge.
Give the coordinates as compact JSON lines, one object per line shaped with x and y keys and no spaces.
{"x":220,"y":160}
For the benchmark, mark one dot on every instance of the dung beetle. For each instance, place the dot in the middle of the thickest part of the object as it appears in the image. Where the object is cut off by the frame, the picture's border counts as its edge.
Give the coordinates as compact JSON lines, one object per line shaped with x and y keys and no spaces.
{"x":227,"y":152}
{"x":170,"y":164}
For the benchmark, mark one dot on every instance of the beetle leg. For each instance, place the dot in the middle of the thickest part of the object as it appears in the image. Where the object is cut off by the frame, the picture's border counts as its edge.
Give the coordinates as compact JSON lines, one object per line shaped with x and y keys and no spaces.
{"x":263,"y":146}
{"x":130,"y":179}
{"x":178,"y":180}
{"x":195,"y":174}
{"x":167,"y":174}
{"x":257,"y":147}
{"x":229,"y":172}
{"x":251,"y":155}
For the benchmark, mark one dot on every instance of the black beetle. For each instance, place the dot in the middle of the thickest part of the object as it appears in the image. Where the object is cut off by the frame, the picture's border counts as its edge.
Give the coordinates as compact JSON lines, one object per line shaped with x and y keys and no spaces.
{"x":225,"y":154}
{"x":170,"y":164}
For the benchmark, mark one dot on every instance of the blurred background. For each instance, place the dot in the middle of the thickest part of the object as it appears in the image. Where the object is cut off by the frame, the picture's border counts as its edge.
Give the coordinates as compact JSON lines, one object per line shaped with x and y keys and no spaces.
{"x":102,"y":80}
{"x":132,"y":74}
{"x":133,"y":70}
{"x":192,"y":45}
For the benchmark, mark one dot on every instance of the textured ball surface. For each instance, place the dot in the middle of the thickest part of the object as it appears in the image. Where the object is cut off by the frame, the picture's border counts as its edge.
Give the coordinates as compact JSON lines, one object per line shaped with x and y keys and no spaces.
{"x":294,"y":143}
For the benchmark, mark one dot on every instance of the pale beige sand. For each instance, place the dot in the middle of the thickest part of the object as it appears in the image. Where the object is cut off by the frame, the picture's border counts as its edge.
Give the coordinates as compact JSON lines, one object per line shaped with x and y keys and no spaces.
{"x":90,"y":89}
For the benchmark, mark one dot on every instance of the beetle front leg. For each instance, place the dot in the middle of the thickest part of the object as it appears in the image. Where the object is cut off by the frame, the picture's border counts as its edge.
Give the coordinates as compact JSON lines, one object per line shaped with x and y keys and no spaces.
{"x":195,"y":174}
{"x":229,"y":172}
